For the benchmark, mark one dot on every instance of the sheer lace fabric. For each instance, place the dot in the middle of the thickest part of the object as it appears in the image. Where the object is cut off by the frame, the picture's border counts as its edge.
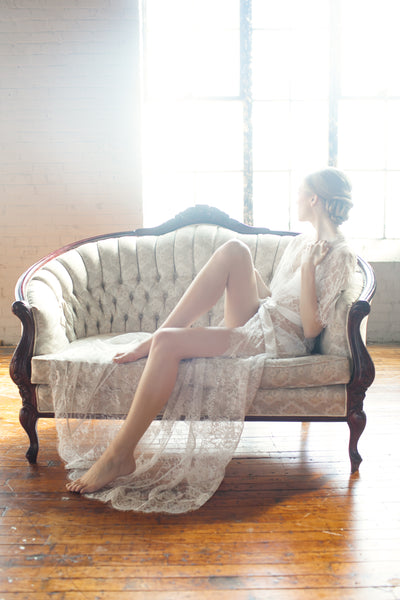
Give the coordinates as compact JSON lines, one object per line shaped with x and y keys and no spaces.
{"x":181,"y":459}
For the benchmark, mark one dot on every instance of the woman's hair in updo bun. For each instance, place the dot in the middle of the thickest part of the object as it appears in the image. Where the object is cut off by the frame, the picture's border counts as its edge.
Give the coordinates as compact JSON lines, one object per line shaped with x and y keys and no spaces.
{"x":334,"y":190}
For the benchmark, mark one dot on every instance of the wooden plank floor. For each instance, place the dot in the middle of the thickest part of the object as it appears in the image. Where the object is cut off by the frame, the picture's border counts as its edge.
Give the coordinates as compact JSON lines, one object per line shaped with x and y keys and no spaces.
{"x":288,"y":522}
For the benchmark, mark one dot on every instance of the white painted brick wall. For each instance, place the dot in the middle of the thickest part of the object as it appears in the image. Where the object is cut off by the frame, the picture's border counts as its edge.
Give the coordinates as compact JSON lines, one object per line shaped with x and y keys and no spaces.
{"x":69,"y":130}
{"x":384,"y":320}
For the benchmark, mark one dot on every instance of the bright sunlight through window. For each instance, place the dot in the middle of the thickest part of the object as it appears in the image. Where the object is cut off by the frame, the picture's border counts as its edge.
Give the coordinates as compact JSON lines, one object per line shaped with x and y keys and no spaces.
{"x":242,"y":98}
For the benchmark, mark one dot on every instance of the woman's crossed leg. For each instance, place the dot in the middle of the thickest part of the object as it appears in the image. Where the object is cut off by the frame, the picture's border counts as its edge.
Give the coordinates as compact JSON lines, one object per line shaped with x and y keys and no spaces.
{"x":231,"y":270}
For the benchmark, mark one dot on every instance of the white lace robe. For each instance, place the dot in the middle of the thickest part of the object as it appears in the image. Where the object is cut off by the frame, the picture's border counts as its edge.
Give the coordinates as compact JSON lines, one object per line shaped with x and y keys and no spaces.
{"x":181,"y":459}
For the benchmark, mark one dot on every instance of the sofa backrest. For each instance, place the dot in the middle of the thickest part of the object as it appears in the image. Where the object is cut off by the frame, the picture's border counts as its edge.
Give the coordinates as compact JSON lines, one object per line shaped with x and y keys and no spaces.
{"x":131,"y":283}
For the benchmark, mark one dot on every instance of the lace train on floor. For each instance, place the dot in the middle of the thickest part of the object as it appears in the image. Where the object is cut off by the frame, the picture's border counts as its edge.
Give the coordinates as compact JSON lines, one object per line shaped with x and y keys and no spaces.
{"x":181,"y":459}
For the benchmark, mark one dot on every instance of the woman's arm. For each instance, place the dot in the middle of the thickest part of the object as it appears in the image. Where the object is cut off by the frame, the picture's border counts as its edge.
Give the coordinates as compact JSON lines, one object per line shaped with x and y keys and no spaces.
{"x":263,"y":290}
{"x":309,"y":312}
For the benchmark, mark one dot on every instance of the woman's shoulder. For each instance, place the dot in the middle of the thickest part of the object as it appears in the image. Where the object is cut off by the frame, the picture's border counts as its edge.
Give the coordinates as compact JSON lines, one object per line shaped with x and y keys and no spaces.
{"x":342,"y":247}
{"x":341,"y":257}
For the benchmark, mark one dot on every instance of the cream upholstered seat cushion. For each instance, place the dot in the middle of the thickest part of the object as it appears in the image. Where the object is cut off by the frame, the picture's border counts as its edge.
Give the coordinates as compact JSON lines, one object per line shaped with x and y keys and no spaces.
{"x":289,"y":386}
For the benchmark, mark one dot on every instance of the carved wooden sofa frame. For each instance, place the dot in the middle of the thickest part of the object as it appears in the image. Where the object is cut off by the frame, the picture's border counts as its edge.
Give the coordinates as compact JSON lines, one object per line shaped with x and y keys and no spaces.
{"x":361,"y":368}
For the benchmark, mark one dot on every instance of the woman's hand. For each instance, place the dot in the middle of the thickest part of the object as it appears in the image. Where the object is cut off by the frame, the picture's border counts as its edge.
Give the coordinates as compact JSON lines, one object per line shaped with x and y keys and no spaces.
{"x":139,"y":351}
{"x":315,"y":253}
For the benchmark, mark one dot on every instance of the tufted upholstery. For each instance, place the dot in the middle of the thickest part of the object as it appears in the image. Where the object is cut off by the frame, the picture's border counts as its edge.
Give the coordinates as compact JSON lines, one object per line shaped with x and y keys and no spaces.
{"x":128,"y":284}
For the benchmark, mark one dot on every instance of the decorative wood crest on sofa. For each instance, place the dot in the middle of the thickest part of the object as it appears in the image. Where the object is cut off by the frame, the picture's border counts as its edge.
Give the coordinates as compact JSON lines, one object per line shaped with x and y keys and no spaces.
{"x":124,"y":283}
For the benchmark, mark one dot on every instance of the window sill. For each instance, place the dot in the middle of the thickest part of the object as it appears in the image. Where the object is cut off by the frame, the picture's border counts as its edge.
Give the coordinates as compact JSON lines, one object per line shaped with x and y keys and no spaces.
{"x":383,"y":250}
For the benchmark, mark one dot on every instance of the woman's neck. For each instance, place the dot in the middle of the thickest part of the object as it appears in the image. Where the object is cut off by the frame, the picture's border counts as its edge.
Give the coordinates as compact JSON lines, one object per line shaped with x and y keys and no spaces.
{"x":325,"y":229}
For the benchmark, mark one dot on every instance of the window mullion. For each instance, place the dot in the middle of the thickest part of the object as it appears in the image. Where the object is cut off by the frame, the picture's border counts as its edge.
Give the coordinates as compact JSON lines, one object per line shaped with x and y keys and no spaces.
{"x":246,"y":95}
{"x":334,"y":80}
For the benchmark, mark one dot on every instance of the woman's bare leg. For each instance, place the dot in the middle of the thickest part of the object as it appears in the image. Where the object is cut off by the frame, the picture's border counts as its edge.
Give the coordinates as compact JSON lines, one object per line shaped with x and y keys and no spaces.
{"x":168,"y":348}
{"x":229,"y":270}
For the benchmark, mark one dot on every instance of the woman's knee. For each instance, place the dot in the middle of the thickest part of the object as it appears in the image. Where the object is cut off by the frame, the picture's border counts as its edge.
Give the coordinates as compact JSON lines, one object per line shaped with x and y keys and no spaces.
{"x":236,"y":251}
{"x":164,"y":341}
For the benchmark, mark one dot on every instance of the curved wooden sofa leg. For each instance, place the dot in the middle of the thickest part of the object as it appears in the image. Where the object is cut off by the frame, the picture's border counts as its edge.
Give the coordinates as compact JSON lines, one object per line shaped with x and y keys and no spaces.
{"x":28,"y":418}
{"x":20,"y":373}
{"x":356,"y":420}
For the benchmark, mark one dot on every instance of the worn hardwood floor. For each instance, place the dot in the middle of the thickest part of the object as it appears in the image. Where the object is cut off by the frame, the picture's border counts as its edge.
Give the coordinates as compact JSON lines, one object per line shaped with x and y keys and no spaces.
{"x":288,"y":522}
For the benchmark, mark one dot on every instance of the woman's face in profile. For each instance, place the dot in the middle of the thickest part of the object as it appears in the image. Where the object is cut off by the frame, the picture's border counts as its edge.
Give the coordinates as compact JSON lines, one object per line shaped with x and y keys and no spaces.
{"x":303,"y":202}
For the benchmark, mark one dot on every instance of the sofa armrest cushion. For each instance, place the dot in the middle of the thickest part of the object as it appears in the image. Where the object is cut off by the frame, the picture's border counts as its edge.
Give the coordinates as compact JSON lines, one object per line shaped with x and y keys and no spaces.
{"x":48,"y":309}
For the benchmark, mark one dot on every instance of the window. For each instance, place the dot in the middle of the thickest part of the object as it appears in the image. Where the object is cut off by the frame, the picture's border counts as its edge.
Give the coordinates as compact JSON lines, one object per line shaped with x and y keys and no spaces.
{"x":242,"y":98}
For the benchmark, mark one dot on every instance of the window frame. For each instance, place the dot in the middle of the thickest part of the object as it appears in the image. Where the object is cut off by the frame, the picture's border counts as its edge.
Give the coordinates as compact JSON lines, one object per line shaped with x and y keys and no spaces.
{"x":246,"y":98}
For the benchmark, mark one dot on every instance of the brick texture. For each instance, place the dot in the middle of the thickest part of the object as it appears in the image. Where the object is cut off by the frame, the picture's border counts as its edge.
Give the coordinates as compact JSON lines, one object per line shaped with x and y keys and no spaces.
{"x":69,"y":130}
{"x":384,"y":320}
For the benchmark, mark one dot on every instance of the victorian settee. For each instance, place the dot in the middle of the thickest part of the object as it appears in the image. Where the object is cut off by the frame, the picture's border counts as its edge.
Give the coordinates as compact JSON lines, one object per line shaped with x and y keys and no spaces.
{"x":125,"y":283}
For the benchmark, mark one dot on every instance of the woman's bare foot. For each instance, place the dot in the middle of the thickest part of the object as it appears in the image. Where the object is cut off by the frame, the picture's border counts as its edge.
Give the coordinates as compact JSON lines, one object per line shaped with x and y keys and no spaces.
{"x":140,"y":351}
{"x":108,"y":467}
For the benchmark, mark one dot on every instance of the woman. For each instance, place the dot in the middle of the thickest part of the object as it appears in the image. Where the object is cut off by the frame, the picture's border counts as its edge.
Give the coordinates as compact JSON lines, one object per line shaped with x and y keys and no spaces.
{"x":282,"y":321}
